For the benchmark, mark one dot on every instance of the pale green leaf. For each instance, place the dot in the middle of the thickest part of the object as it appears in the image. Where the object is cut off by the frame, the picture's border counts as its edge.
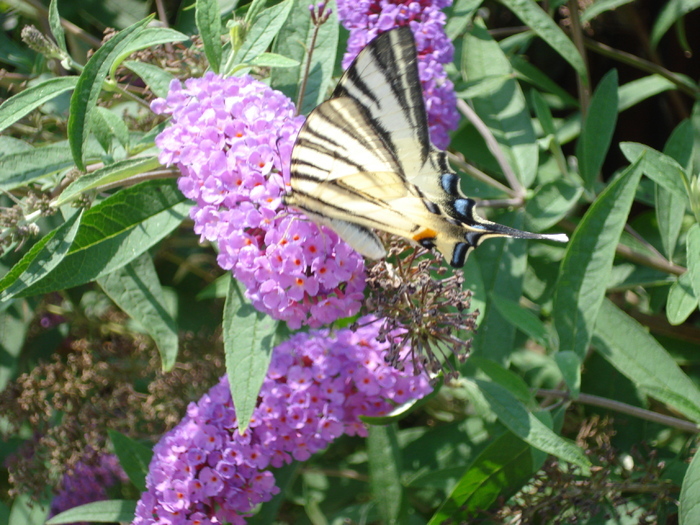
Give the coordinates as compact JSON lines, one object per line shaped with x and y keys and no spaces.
{"x":547,"y":29}
{"x":108,"y":511}
{"x":672,"y":12}
{"x":384,"y":457}
{"x":586,"y":267}
{"x":264,"y":30}
{"x":23,"y":167}
{"x":569,"y":365}
{"x":505,"y":109}
{"x":21,"y":104}
{"x":527,"y":427}
{"x":681,"y":301}
{"x":693,"y":256}
{"x":660,"y":168}
{"x":208,"y":19}
{"x":135,"y":289}
{"x":155,"y":78}
{"x":249,"y":336}
{"x":689,"y":508}
{"x":628,"y":346}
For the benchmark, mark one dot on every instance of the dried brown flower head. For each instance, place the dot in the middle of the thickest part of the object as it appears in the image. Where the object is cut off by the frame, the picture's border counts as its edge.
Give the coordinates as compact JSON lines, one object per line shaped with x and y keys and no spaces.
{"x":424,"y":302}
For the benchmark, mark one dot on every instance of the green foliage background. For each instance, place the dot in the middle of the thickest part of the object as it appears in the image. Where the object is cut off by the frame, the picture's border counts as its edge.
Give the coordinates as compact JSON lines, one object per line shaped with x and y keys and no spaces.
{"x":581,"y":398}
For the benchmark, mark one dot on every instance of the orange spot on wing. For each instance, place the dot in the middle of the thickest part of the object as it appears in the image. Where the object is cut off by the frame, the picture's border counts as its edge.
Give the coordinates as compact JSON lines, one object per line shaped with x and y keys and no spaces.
{"x":425,"y":234}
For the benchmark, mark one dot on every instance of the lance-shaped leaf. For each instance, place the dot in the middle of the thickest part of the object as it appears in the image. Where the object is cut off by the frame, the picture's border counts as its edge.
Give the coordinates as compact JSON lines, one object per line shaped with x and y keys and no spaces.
{"x":134,"y":458}
{"x":108,"y":511}
{"x":208,"y":17}
{"x":587,"y":264}
{"x":112,"y":234}
{"x":689,"y":508}
{"x":661,"y":168}
{"x":23,"y":167}
{"x":16,"y":107}
{"x":136,"y":290}
{"x":385,"y":464}
{"x":89,"y":86}
{"x":249,"y":336}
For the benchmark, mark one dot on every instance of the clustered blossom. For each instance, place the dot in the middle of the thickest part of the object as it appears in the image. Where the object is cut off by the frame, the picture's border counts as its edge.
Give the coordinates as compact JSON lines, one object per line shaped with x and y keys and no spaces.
{"x":88,"y":483}
{"x":318,"y":383}
{"x":365,"y":19}
{"x":231,"y":138}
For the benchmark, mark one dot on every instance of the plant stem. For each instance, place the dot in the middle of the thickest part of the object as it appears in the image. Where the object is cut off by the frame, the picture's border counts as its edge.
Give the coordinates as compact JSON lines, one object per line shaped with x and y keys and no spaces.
{"x":493,"y":145}
{"x":623,"y":408}
{"x":584,"y":83}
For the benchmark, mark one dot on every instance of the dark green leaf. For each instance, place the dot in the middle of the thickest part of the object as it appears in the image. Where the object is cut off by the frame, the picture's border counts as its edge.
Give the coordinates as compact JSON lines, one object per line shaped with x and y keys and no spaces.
{"x":689,"y":508}
{"x":113,"y":233}
{"x":42,"y":259}
{"x":600,"y":6}
{"x":89,"y":86}
{"x":638,"y":356}
{"x":385,"y":467}
{"x":100,"y":512}
{"x":16,"y":107}
{"x":570,"y":367}
{"x":672,"y":11}
{"x":107,"y":126}
{"x":136,"y":290}
{"x":208,"y":17}
{"x":134,"y":458}
{"x":498,"y":472}
{"x":249,"y":336}
{"x":461,"y":14}
{"x":587,"y":264}
{"x":597,"y":130}
{"x":523,"y":319}
{"x":529,"y":428}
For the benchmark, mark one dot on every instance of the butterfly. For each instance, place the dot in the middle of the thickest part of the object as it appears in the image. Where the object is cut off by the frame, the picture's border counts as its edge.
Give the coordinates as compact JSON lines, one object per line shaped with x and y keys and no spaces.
{"x":363,"y":161}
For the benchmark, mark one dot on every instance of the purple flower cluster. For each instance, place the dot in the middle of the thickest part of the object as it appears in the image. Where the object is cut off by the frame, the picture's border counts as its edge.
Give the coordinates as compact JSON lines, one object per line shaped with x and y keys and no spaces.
{"x":318,"y":383}
{"x":88,"y":483}
{"x":365,"y":19}
{"x":232,"y":138}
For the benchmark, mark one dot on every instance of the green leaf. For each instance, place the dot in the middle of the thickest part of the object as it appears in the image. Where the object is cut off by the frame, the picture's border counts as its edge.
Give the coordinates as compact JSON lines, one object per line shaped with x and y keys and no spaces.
{"x":527,"y":427}
{"x":460,"y":15}
{"x":56,"y":28}
{"x":149,"y":37}
{"x":21,"y":104}
{"x":249,"y":336}
{"x":156,"y":78}
{"x":208,"y":18}
{"x":693,"y":257}
{"x":264,"y":30}
{"x":89,"y":86}
{"x":502,"y":376}
{"x":293,"y":41}
{"x":112,"y":234}
{"x":569,"y":365}
{"x":672,"y":11}
{"x":107,"y":511}
{"x":689,"y":508}
{"x":273,"y":60}
{"x":134,"y":458}
{"x":681,"y":301}
{"x":641,"y":89}
{"x":670,"y":208}
{"x":15,"y":320}
{"x":42,"y":259}
{"x":523,"y":319}
{"x":600,"y":6}
{"x":136,"y":290}
{"x":23,"y":167}
{"x":597,"y":130}
{"x":551,"y":203}
{"x":401,"y":411}
{"x":504,"y":110}
{"x":587,"y":264}
{"x":527,"y":72}
{"x":26,"y":511}
{"x":107,"y":126}
{"x":497,"y":473}
{"x":541,"y":23}
{"x":638,"y":356}
{"x":384,"y":455}
{"x":660,"y":168}
{"x":112,"y":173}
